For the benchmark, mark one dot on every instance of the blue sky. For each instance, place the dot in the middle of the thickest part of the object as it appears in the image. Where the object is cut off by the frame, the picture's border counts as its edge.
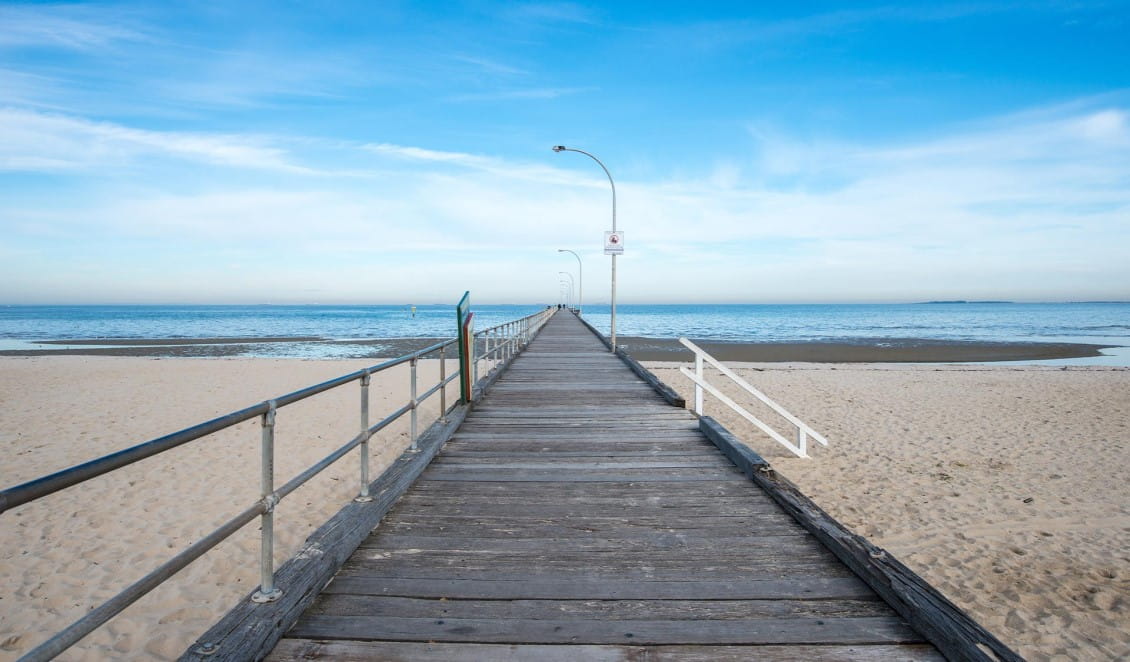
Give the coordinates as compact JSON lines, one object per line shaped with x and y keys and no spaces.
{"x":393,"y":152}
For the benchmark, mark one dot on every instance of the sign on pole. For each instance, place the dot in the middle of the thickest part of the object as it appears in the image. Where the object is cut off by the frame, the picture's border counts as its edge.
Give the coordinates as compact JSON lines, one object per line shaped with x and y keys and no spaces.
{"x":614,"y":243}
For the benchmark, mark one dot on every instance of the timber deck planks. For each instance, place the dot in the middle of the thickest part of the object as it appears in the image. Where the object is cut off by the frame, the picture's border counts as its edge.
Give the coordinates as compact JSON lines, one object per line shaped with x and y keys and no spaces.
{"x":576,"y":515}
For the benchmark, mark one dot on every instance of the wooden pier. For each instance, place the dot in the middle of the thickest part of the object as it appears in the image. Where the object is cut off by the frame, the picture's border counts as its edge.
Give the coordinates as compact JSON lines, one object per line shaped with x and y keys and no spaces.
{"x":576,"y":515}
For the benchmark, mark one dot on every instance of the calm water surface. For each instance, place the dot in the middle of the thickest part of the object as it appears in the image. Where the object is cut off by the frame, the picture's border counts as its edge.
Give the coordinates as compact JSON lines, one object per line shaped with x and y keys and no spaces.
{"x":1099,"y":323}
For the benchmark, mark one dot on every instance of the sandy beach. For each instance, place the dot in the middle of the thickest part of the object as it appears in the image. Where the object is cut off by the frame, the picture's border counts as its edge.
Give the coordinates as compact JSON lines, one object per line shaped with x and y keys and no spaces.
{"x":1007,"y":488}
{"x":79,"y":547}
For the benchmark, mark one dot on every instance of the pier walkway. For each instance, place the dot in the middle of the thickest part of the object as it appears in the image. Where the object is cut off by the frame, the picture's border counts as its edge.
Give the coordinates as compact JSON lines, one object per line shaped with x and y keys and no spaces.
{"x":577,"y":515}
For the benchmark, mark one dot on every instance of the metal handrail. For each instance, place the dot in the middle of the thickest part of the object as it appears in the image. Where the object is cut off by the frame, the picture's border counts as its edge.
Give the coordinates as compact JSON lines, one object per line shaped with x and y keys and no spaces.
{"x":513,"y":336}
{"x":804,"y":431}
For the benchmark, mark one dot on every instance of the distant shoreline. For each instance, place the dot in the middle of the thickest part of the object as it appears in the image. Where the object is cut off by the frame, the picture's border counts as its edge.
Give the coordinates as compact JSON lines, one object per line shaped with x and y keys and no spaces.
{"x":862,"y":350}
{"x":218,"y":347}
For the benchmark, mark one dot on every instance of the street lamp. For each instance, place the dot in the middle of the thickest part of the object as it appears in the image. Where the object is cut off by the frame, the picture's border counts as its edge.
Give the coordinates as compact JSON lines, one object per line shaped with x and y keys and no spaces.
{"x":580,"y":281}
{"x":563,"y":148}
{"x":572,"y":283}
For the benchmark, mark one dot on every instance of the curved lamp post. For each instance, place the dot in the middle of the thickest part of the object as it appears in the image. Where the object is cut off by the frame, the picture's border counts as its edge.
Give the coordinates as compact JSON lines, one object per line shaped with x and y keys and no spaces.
{"x":563,"y":148}
{"x":580,"y":281}
{"x":572,"y":283}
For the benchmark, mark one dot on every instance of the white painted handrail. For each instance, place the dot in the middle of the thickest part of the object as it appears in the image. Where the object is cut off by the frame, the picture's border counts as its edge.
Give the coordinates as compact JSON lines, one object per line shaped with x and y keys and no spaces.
{"x":804,"y":431}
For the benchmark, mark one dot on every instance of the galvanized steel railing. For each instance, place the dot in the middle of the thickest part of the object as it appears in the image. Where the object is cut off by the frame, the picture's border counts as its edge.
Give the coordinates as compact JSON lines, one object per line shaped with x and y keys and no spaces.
{"x":803,"y":430}
{"x":500,"y":343}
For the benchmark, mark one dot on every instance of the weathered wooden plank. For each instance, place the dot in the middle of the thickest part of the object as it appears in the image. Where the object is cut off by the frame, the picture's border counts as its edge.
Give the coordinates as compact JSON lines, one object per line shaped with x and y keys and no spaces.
{"x":296,"y":650}
{"x":489,"y":513}
{"x":605,"y":588}
{"x":467,"y":474}
{"x":688,"y":561}
{"x":548,"y":414}
{"x":669,"y":564}
{"x":594,"y":439}
{"x":658,"y":542}
{"x":619,"y":610}
{"x":577,"y":506}
{"x":623,"y":428}
{"x":612,"y":518}
{"x":863,"y":630}
{"x":570,"y":465}
{"x":567,"y":530}
{"x":540,"y":451}
{"x":731,"y":488}
{"x":685,"y":570}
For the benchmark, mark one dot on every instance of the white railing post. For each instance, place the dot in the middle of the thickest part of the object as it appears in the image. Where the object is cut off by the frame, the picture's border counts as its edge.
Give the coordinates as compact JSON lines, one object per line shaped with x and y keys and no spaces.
{"x":804,"y":431}
{"x":698,"y":389}
{"x":267,"y":591}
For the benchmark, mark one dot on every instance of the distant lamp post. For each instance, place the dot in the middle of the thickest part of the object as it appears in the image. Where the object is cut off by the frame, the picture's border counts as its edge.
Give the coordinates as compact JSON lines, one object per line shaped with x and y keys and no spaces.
{"x":563,"y":148}
{"x":580,"y":281}
{"x":572,"y":284}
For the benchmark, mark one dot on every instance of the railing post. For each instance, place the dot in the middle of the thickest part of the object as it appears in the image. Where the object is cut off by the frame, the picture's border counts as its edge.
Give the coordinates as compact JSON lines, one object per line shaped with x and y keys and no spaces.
{"x":802,"y":441}
{"x":414,"y":405}
{"x":267,"y":591}
{"x":442,"y":386}
{"x":363,"y":495}
{"x":697,"y":387}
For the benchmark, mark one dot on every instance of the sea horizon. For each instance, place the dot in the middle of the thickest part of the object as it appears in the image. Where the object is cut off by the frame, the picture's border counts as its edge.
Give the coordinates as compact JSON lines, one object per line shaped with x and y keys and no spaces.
{"x":352,"y":330}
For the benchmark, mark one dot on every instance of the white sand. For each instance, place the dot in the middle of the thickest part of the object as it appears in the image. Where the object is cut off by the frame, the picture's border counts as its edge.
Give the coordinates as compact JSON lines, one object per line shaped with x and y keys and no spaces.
{"x":933,"y":464}
{"x":1006,"y":488}
{"x":75,"y":549}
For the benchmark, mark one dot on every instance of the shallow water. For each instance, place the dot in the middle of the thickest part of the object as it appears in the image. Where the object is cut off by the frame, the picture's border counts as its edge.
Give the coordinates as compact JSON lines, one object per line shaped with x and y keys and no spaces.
{"x":1097,"y":323}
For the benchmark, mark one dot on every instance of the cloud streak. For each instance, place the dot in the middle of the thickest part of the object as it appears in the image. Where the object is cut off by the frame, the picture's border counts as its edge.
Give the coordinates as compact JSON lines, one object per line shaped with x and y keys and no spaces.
{"x":1011,"y":208}
{"x":34,"y":141}
{"x":71,"y":27}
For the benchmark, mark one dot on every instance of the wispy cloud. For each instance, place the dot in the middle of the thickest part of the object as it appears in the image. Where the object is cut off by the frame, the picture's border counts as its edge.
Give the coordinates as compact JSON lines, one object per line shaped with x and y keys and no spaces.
{"x":523,"y":94}
{"x":549,"y":13}
{"x":716,"y":35}
{"x":421,"y":154}
{"x":1030,"y":205}
{"x":72,"y":27}
{"x":490,"y":66}
{"x":34,"y":141}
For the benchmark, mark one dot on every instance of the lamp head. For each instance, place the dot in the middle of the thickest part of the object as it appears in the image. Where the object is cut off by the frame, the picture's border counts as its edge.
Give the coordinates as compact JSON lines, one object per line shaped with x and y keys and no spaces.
{"x":559,"y":148}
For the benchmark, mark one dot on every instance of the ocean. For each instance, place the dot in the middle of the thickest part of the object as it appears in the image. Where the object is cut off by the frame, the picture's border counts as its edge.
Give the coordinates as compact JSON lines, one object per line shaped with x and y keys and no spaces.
{"x":1096,"y":323}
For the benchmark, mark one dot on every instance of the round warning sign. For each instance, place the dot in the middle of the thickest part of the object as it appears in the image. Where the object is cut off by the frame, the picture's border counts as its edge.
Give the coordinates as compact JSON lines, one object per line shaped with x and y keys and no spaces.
{"x":613,"y":243}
